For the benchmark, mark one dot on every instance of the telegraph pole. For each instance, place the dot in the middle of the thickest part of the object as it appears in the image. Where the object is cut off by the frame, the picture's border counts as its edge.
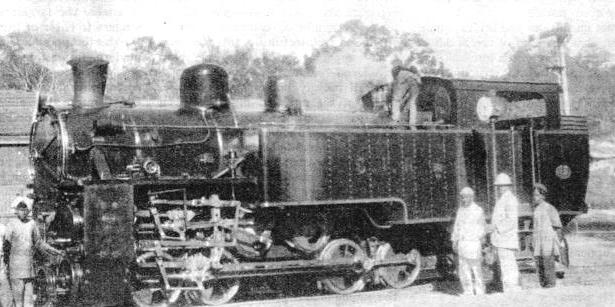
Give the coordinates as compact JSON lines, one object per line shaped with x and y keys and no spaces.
{"x":562,"y":35}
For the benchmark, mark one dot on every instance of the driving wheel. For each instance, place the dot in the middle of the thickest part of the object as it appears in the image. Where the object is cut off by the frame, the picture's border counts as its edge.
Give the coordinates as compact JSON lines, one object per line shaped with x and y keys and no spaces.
{"x":398,"y":276}
{"x":351,"y":281}
{"x":310,"y":234}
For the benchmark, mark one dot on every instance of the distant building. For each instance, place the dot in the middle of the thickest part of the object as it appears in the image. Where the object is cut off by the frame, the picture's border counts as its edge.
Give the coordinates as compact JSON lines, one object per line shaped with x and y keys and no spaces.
{"x":16,"y":113}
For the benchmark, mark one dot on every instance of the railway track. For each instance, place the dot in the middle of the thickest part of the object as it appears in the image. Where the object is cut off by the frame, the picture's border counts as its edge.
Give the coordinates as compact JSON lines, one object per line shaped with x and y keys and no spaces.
{"x":593,"y":264}
{"x":576,"y":276}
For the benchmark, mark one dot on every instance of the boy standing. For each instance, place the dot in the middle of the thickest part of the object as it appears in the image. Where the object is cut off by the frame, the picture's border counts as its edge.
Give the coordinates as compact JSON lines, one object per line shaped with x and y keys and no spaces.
{"x":468,"y":233}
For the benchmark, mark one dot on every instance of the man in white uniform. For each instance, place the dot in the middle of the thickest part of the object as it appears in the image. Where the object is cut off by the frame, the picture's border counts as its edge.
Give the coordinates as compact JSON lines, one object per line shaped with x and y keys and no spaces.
{"x":468,"y":234}
{"x":24,"y":237}
{"x":504,"y":236}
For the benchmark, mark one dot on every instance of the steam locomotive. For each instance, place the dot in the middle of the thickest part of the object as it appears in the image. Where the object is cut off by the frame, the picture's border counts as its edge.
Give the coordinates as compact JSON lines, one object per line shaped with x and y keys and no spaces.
{"x":157,"y":206}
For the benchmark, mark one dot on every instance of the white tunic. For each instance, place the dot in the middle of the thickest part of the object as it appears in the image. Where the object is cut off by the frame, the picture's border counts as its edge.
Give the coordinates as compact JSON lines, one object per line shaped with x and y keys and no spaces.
{"x":23,"y":238}
{"x":506,"y":222}
{"x":468,"y":231}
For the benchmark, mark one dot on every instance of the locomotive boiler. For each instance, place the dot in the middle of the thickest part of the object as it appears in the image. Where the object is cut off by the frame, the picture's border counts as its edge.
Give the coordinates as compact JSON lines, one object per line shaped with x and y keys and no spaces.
{"x":157,"y":206}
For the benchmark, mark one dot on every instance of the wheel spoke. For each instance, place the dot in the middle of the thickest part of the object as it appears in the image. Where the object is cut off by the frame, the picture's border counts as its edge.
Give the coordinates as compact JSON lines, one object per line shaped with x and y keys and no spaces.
{"x":398,"y":276}
{"x":215,"y":292}
{"x":343,"y":249}
{"x":311,"y":237}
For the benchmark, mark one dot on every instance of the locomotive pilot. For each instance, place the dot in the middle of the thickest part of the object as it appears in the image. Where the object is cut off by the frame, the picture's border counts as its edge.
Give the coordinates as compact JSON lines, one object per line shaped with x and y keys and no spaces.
{"x":504,"y":232}
{"x":403,"y":96}
{"x":467,"y":238}
{"x":547,"y":227}
{"x":24,"y":237}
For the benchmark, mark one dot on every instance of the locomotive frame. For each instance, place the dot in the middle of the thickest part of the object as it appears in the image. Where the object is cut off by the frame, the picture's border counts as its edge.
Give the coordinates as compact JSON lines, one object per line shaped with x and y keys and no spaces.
{"x":178,"y":206}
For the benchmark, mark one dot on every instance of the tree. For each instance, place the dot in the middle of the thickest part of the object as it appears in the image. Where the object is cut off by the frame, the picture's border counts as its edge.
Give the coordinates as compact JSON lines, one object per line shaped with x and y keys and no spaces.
{"x":31,"y":60}
{"x":590,"y":80}
{"x":591,"y":83}
{"x":152,"y":71}
{"x":20,"y":71}
{"x":383,"y":45}
{"x":147,"y":54}
{"x":243,"y":68}
{"x":247,"y":71}
{"x":530,"y":62}
{"x":276,"y":64}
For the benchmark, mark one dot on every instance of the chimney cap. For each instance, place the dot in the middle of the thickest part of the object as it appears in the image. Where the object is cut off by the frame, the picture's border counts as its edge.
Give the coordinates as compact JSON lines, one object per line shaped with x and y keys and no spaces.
{"x":87,"y":61}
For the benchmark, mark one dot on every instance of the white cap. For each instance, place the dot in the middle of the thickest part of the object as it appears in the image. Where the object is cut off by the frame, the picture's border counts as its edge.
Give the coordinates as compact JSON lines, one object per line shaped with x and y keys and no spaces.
{"x":19,"y":199}
{"x":502,"y":179}
{"x":466,"y":191}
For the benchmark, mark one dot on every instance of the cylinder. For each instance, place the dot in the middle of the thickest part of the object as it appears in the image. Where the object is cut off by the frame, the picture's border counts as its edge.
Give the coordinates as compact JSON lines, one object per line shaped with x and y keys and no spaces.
{"x":204,"y":86}
{"x":89,"y":79}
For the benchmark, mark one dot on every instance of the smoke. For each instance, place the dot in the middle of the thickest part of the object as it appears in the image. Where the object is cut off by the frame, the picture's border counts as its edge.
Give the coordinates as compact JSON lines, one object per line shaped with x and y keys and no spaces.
{"x":339,"y":80}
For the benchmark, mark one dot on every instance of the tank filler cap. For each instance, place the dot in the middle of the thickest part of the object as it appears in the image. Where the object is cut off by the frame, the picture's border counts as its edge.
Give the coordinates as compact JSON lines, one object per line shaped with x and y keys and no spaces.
{"x":488,"y":107}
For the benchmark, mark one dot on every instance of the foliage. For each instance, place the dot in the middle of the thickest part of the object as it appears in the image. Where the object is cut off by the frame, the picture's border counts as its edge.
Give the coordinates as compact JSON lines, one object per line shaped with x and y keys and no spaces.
{"x":248,"y":72}
{"x":382,"y":44}
{"x":30,"y":59}
{"x":147,"y":54}
{"x":152,"y":72}
{"x":590,"y":79}
{"x":530,"y":63}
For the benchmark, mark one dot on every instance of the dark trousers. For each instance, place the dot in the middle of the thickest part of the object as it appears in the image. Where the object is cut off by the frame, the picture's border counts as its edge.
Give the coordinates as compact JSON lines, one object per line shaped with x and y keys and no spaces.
{"x":546,"y":270}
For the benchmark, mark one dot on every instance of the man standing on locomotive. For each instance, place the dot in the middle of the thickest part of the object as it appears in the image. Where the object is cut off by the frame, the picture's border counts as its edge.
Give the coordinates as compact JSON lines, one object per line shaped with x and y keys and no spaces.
{"x":467,"y":238}
{"x":504,"y":232}
{"x":404,"y":93}
{"x":23,"y":234}
{"x":547,"y":227}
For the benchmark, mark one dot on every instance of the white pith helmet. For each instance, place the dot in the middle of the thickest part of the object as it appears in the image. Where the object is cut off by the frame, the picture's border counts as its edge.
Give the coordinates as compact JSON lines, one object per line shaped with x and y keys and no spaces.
{"x":21,"y":199}
{"x":502,"y":179}
{"x":466,"y":191}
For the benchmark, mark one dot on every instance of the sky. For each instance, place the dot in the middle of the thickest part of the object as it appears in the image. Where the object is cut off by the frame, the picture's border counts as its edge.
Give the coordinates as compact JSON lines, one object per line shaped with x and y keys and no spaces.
{"x":474,"y":36}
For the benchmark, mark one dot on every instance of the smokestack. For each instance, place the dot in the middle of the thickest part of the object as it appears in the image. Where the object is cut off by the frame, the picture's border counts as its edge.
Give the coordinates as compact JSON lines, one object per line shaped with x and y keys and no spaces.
{"x":89,"y":79}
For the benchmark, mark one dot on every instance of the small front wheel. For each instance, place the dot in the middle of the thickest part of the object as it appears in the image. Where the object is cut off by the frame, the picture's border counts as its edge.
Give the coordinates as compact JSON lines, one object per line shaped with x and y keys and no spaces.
{"x":215,"y":292}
